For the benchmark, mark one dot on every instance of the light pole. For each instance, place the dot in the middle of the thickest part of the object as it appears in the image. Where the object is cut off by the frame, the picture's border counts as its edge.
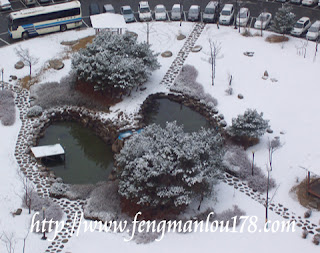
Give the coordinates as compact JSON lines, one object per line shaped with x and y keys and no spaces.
{"x":235,"y":20}
{"x":2,"y":83}
{"x":181,"y":12}
{"x":43,"y":226}
{"x":252,"y":163}
{"x":267,"y":200}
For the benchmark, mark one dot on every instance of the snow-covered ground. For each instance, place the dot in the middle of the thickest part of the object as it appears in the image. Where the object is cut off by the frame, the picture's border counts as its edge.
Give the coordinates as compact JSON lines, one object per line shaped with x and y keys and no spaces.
{"x":290,"y":104}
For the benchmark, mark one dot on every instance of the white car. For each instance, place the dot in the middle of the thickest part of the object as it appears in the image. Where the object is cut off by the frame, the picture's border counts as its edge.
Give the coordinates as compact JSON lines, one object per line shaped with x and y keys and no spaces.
{"x":160,"y":12}
{"x":314,"y":31}
{"x":263,"y":20}
{"x":177,"y":12}
{"x":301,"y":26}
{"x":194,"y":13}
{"x":243,"y":17}
{"x":227,"y":14}
{"x":144,"y":11}
{"x":309,"y":2}
{"x":5,"y":5}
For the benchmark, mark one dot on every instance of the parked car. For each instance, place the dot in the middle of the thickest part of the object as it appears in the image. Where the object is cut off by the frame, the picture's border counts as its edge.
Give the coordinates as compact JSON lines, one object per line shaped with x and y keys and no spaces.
{"x":301,"y":26}
{"x":309,"y":2}
{"x":44,"y":1}
{"x":5,"y":5}
{"x":243,"y":17}
{"x":211,"y":12}
{"x":194,"y":13}
{"x":160,"y":12}
{"x":281,"y":1}
{"x":177,"y":12}
{"x":263,"y":20}
{"x":144,"y":11}
{"x":94,"y":9}
{"x":314,"y":31}
{"x":227,"y":14}
{"x":108,"y":8}
{"x":127,"y":13}
{"x":295,"y":1}
{"x":29,"y":2}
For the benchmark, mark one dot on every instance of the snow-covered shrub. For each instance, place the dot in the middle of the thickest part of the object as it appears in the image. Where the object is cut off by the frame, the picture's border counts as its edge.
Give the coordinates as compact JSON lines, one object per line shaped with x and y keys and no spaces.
{"x":246,"y":33}
{"x":228,"y":215}
{"x":7,"y":108}
{"x":204,"y":215}
{"x":115,"y":61}
{"x":283,"y":20}
{"x":72,"y":192}
{"x":187,"y":85}
{"x":163,"y":168}
{"x":48,"y":95}
{"x":249,"y":125}
{"x":103,"y":202}
{"x":35,"y":111}
{"x":304,"y":233}
{"x":51,"y":209}
{"x":236,"y":160}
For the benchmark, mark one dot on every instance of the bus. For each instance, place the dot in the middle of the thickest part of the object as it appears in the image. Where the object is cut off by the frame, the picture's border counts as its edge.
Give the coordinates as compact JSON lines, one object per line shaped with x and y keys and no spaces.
{"x":44,"y":19}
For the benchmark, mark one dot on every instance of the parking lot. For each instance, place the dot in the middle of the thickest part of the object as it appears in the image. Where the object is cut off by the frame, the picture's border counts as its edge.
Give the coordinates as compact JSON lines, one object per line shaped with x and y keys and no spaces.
{"x":255,"y":7}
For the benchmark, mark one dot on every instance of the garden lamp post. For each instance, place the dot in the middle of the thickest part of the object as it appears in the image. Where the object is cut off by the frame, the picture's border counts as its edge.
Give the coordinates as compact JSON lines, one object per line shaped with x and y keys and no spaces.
{"x":252,"y":162}
{"x":2,"y":83}
{"x":43,"y":227}
{"x":235,"y":20}
{"x":267,"y":199}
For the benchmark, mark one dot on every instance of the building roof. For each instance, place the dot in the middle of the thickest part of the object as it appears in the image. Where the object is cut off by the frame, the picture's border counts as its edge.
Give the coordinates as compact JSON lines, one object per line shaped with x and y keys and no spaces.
{"x":49,"y":150}
{"x":108,"y":21}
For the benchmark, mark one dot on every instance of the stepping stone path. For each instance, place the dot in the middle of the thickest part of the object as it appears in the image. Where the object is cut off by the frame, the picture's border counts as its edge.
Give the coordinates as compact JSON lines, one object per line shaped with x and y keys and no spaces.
{"x":34,"y":172}
{"x":177,"y":64}
{"x":277,"y":208}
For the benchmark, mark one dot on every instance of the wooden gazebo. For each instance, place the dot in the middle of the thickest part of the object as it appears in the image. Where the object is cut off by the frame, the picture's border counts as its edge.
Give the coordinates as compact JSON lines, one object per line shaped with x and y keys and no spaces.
{"x":312,"y":166}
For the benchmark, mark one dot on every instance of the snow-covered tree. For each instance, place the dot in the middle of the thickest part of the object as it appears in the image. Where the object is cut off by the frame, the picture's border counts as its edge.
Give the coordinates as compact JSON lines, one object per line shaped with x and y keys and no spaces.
{"x":283,"y":20}
{"x":115,"y":62}
{"x":249,"y":125}
{"x":164,"y":168}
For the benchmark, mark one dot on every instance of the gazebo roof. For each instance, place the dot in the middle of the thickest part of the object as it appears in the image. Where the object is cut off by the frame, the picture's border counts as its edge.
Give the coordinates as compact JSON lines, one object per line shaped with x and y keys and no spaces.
{"x":108,"y":21}
{"x":49,"y":150}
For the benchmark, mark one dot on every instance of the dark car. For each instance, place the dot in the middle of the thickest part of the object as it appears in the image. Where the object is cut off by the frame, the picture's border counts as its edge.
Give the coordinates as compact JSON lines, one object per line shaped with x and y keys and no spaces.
{"x":108,"y":8}
{"x":94,"y":9}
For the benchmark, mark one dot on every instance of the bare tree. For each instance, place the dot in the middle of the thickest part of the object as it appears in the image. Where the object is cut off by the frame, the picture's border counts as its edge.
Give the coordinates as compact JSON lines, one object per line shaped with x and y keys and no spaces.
{"x":273,"y":145}
{"x":28,"y":191}
{"x":302,"y":48}
{"x":215,"y":48}
{"x":9,"y":241}
{"x":24,"y":241}
{"x":26,"y":58}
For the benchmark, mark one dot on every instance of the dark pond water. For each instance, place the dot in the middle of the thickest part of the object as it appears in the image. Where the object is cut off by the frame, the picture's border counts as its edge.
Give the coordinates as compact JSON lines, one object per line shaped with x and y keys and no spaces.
{"x":88,"y":158}
{"x":164,"y":110}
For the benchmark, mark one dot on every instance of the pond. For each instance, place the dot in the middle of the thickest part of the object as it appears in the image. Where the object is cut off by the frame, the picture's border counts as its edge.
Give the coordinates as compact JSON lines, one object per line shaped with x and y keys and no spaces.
{"x":88,"y":158}
{"x":164,"y":110}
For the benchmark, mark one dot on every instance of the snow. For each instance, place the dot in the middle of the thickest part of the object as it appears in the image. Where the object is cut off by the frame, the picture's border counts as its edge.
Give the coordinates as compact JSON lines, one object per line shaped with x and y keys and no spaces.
{"x":49,"y":150}
{"x":291,"y":104}
{"x":108,"y":20}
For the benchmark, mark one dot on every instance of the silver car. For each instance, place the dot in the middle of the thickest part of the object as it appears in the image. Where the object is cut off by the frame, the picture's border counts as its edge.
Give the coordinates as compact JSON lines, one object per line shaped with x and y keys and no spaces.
{"x":127,"y":13}
{"x":176,"y":12}
{"x":194,"y":13}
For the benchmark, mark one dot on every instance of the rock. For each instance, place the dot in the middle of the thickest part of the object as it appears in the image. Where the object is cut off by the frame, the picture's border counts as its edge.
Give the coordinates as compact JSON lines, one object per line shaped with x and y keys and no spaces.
{"x":143,"y":88}
{"x":18,"y":212}
{"x":221,"y":116}
{"x":223,"y":123}
{"x":269,"y":131}
{"x":264,"y":77}
{"x":69,"y":43}
{"x":13,"y":77}
{"x":56,"y":64}
{"x":19,"y":65}
{"x":196,"y":49}
{"x":273,"y":80}
{"x":250,"y":54}
{"x":307,"y":214}
{"x":166,"y":54}
{"x":181,"y":37}
{"x":240,"y":96}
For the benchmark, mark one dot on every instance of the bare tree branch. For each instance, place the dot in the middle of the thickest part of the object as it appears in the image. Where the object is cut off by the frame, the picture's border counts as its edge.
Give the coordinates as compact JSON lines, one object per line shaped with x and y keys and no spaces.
{"x":26,"y":58}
